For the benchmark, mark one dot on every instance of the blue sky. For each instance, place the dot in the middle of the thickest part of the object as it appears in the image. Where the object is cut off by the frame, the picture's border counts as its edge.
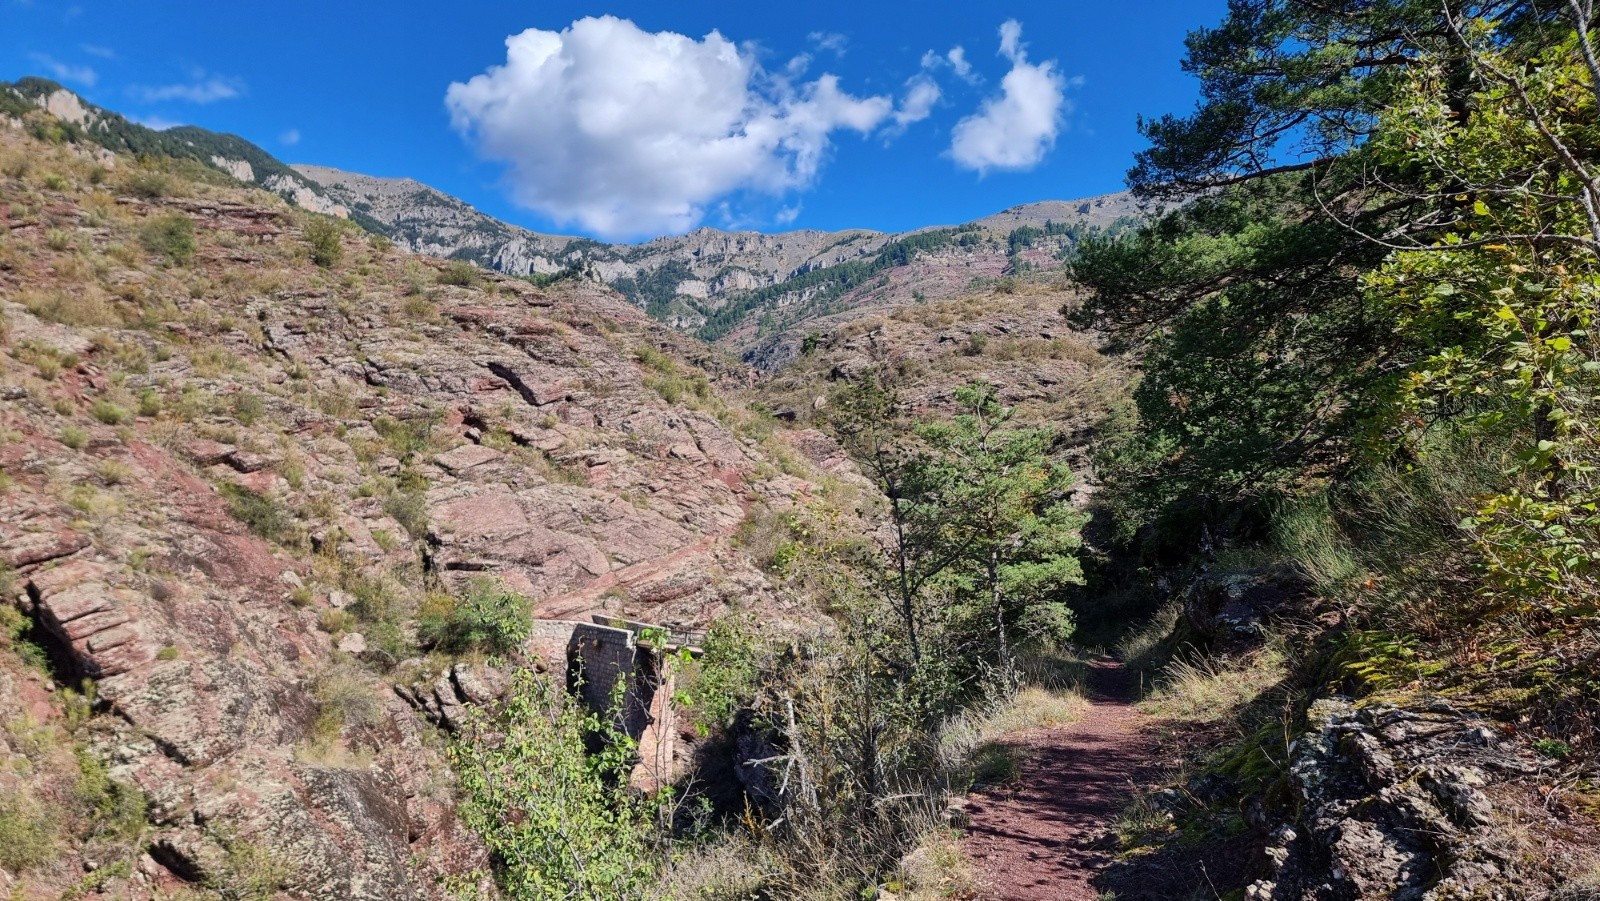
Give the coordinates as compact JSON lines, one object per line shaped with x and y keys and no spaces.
{"x":821,"y":114}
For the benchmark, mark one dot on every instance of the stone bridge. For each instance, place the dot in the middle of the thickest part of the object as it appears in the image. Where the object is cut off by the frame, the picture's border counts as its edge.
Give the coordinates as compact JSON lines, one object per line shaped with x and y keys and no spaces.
{"x":614,"y":667}
{"x":619,"y":667}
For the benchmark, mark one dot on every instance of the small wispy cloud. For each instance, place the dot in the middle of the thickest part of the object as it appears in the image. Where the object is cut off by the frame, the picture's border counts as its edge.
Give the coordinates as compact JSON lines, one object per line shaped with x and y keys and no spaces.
{"x":158,"y":123}
{"x":289,"y":138}
{"x":98,"y":51}
{"x":202,"y":87}
{"x":61,"y":71}
{"x":831,"y":41}
{"x":956,"y":60}
{"x":922,"y":93}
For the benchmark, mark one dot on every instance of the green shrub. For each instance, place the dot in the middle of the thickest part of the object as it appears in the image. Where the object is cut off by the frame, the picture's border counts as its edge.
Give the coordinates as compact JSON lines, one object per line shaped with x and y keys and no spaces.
{"x":727,"y":675}
{"x":170,"y":236}
{"x":250,"y":872}
{"x":75,"y":437}
{"x":404,"y":436}
{"x":1554,"y":748}
{"x":28,"y":832}
{"x":526,"y":766}
{"x":486,"y":617}
{"x":410,"y":509}
{"x":460,"y":273}
{"x":147,"y":185}
{"x":260,"y":513}
{"x":14,"y":627}
{"x":650,"y":358}
{"x":322,"y":236}
{"x":116,"y":808}
{"x":247,"y":407}
{"x":109,"y":413}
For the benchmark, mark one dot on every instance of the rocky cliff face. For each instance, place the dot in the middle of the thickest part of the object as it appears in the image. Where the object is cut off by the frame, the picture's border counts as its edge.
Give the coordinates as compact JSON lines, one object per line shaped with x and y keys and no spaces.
{"x":423,"y":220}
{"x":234,"y":484}
{"x":1015,"y":340}
{"x":1323,"y":786}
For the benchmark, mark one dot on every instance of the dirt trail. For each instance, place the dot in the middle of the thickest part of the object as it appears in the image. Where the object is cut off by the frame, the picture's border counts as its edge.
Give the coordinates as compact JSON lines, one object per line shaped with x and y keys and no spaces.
{"x":1034,"y":840}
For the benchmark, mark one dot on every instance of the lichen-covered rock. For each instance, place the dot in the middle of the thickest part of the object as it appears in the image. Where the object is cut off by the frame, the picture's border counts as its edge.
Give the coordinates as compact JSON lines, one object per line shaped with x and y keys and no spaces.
{"x":1234,"y":608}
{"x":1389,"y":804}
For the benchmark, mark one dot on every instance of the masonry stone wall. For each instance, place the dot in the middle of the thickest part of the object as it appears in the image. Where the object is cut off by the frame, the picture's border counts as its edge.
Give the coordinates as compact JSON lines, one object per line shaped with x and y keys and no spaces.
{"x":590,"y":659}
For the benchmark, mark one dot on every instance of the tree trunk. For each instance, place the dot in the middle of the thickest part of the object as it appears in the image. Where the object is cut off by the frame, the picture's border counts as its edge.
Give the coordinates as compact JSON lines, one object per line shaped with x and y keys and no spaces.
{"x":1002,"y":645}
{"x":1545,"y":430}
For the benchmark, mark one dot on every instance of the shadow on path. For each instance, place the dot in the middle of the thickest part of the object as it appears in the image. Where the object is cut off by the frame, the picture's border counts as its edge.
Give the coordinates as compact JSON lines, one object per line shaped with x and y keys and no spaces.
{"x":1035,"y":839}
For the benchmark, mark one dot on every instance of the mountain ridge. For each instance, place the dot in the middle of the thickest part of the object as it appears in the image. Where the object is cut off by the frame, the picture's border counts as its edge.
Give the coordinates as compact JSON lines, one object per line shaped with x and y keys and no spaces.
{"x":750,"y":291}
{"x":715,"y":282}
{"x":76,"y":118}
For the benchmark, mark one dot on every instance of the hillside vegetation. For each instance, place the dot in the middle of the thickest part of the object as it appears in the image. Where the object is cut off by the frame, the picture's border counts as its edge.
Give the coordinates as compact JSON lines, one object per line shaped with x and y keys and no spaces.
{"x":1365,"y":419}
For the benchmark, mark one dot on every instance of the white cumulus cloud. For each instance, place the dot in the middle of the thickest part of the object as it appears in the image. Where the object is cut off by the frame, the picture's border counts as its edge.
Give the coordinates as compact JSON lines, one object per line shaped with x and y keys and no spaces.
{"x":626,"y":132}
{"x":1013,"y":130}
{"x":922,"y":92}
{"x":957,"y":57}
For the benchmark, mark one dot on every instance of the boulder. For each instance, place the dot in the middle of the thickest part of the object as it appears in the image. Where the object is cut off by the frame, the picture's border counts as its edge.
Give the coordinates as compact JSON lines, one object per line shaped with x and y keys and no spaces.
{"x":1234,"y":608}
{"x":467,"y":456}
{"x":1389,"y":803}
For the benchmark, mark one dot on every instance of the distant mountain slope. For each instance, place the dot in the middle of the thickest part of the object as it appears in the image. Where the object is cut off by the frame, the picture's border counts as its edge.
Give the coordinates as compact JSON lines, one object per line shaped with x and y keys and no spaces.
{"x":80,"y":121}
{"x":1098,"y":211}
{"x":674,"y":277}
{"x":739,"y":288}
{"x":425,"y":220}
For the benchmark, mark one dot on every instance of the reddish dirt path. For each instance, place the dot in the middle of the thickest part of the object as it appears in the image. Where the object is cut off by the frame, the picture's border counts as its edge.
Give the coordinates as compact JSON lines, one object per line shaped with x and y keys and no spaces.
{"x":1034,"y":840}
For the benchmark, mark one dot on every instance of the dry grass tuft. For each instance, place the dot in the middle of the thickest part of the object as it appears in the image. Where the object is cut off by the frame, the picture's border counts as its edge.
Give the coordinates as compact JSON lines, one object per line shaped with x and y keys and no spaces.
{"x":1206,"y":690}
{"x":87,"y":306}
{"x":1584,"y":887}
{"x":974,"y":747}
{"x":1033,"y":708}
{"x":728,"y":870}
{"x":1137,"y":648}
{"x":937,"y":869}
